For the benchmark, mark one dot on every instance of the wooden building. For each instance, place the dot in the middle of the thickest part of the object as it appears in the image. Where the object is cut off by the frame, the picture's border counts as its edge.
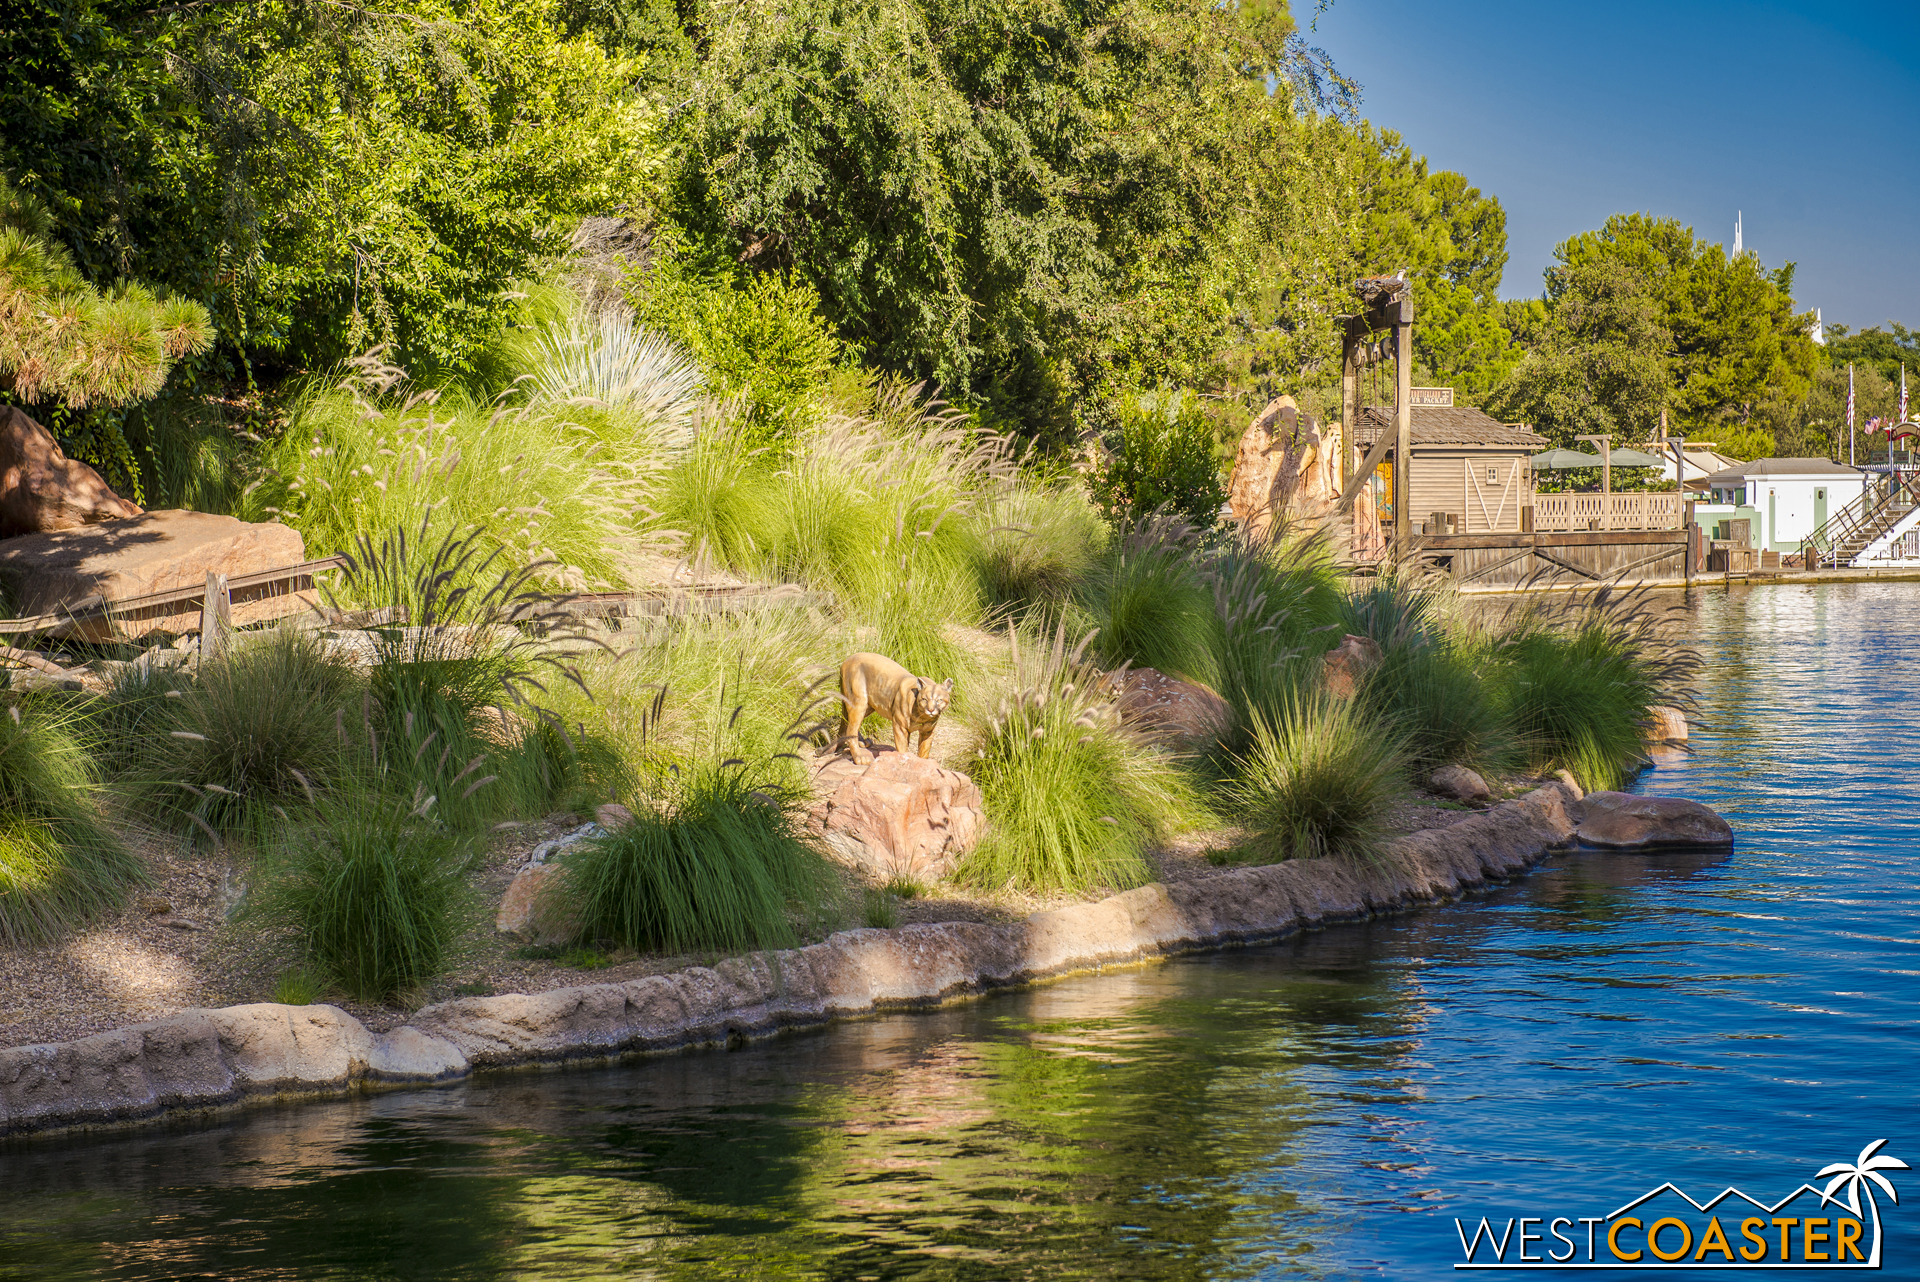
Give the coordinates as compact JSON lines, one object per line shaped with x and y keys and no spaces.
{"x":1465,"y":463}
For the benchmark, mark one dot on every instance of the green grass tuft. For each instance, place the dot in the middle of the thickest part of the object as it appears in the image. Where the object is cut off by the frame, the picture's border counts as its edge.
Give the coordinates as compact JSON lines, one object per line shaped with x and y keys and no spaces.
{"x":719,"y":867}
{"x":296,"y":987}
{"x":1318,"y":780}
{"x":375,"y":888}
{"x":1072,"y":798}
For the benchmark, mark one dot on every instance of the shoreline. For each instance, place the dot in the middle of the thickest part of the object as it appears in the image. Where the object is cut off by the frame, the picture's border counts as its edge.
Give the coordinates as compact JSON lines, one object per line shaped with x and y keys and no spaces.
{"x":200,"y":1063}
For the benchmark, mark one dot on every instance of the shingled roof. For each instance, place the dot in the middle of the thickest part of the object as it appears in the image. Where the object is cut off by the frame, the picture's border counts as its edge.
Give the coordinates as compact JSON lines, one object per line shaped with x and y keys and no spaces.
{"x":1446,"y":425}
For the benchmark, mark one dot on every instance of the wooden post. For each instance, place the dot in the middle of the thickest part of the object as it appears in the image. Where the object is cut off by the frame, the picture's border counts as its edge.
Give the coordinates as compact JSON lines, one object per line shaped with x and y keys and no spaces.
{"x":1354,"y":334}
{"x":216,"y":616}
{"x":1402,"y":422}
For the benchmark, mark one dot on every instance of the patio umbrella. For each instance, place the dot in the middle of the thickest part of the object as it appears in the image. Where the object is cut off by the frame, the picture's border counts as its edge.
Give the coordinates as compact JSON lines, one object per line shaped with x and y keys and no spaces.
{"x":1624,"y":457}
{"x":1557,"y":459}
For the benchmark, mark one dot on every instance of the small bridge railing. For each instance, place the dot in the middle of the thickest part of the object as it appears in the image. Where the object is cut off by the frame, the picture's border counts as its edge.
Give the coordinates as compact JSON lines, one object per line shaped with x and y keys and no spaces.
{"x":1623,"y":510}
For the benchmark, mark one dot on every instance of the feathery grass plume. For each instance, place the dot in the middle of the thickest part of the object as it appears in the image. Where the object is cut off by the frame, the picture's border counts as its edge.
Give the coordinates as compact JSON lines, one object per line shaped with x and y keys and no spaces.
{"x":639,"y":378}
{"x":1073,"y":798}
{"x":367,"y":456}
{"x":1431,"y":684}
{"x":1277,"y":603}
{"x":375,"y":887}
{"x":1151,"y":602}
{"x":1318,"y":779}
{"x":709,"y":686}
{"x":465,"y":637}
{"x":1578,"y":677}
{"x":1037,"y":543}
{"x":254,"y":729}
{"x":60,"y":865}
{"x":721,"y":495}
{"x":721,"y":863}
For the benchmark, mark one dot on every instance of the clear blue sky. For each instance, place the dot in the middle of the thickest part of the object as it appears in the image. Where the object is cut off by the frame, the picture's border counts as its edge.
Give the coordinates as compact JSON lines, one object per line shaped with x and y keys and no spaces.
{"x":1805,"y":116}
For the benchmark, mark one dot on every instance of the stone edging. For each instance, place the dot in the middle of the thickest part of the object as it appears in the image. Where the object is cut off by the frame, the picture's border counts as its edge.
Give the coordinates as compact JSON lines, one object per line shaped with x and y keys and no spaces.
{"x":200,"y":1060}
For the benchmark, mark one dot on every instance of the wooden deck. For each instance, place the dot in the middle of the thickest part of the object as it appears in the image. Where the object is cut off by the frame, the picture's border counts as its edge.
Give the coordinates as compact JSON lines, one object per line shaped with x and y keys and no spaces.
{"x":1521,"y":562}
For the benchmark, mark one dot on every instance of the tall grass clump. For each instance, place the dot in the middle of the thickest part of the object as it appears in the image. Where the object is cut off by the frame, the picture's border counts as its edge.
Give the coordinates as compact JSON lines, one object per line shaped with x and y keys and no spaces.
{"x":1276,"y":605}
{"x":1073,"y":798}
{"x":466,"y":640}
{"x":254,"y":729}
{"x":1151,"y":603}
{"x":1037,"y":543}
{"x":1433,"y":684}
{"x":722,"y":864}
{"x":374,"y":886}
{"x":542,"y":486}
{"x":1578,"y":681}
{"x":60,"y":865}
{"x":1319,"y":779}
{"x":640,"y":379}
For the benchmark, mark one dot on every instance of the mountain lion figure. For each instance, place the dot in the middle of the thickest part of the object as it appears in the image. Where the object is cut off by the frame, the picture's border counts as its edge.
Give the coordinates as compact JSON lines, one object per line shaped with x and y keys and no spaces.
{"x":875,"y":683}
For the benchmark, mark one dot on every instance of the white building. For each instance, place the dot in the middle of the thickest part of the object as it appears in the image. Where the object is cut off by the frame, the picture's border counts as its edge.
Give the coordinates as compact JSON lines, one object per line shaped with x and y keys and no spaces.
{"x":1784,"y":499}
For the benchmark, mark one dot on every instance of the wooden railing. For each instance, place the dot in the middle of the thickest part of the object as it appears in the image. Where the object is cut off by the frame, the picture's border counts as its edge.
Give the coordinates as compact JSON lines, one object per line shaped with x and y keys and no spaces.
{"x":1622,"y":510}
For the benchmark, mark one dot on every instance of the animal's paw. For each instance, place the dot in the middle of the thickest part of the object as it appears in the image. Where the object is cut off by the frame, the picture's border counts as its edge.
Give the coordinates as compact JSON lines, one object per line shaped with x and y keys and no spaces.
{"x":860,"y":755}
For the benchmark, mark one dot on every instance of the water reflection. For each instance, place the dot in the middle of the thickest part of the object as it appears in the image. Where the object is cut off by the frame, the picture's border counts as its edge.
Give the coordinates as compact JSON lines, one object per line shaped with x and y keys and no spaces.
{"x":1318,"y":1109}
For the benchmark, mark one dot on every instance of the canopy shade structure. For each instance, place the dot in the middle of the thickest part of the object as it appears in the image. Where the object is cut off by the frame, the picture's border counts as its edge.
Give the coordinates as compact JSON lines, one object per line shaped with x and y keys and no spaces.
{"x":1624,"y":457}
{"x":1557,"y":459}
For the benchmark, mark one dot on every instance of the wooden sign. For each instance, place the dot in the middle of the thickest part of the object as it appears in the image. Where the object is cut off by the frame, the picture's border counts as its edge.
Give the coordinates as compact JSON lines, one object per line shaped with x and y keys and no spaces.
{"x":1441,"y":396}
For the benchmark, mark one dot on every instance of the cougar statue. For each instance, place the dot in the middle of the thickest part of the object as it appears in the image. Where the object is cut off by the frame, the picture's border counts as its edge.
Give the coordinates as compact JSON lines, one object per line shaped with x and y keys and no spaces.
{"x":875,"y":683}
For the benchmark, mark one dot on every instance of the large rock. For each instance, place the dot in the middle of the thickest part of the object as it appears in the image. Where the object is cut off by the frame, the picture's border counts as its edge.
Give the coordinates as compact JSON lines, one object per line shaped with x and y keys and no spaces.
{"x":1348,"y":662}
{"x":151,"y":553}
{"x":1622,"y":821}
{"x":1460,"y":783}
{"x":1284,"y":470}
{"x":1183,"y":714}
{"x":900,"y":816}
{"x":42,"y":490}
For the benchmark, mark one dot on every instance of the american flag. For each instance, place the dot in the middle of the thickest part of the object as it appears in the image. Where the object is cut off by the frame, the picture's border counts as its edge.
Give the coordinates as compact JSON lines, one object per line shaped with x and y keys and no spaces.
{"x":1849,"y":396}
{"x":1903,"y":393}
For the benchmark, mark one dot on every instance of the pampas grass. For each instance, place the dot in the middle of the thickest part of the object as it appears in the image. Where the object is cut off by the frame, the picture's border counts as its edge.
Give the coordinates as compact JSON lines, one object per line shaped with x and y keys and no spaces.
{"x":1319,"y":779}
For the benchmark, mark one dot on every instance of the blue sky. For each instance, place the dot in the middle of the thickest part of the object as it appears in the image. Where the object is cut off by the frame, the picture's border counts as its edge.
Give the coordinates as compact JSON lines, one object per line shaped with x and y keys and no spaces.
{"x":1804,"y":116}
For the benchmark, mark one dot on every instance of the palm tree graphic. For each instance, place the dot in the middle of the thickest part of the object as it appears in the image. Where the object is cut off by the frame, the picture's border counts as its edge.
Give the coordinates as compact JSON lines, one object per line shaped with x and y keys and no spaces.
{"x":1855,"y":1176}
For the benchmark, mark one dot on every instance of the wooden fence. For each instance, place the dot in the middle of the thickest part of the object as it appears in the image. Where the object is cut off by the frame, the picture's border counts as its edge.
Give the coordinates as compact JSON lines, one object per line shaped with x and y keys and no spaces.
{"x":1623,"y":510}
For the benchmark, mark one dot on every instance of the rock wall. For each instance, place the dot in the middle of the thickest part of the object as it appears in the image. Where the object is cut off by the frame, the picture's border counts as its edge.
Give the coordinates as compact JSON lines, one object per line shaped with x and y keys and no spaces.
{"x":207,"y":1059}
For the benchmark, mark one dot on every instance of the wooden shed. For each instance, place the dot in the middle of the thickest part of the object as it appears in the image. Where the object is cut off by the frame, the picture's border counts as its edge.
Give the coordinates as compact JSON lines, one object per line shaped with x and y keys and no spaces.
{"x":1465,"y":463}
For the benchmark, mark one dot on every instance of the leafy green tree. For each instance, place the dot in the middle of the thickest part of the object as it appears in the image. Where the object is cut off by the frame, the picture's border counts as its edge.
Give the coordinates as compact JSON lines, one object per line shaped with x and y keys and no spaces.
{"x":1597,"y":355}
{"x":1028,"y":201}
{"x":1885,"y":350}
{"x":1452,"y":241}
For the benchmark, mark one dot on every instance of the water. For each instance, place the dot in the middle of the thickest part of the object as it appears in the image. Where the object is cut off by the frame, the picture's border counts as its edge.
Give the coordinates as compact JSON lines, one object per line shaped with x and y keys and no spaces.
{"x":1321,"y":1109}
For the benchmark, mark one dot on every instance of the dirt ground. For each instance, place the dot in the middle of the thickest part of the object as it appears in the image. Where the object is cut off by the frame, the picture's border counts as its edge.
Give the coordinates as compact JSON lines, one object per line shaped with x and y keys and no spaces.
{"x":187,"y":941}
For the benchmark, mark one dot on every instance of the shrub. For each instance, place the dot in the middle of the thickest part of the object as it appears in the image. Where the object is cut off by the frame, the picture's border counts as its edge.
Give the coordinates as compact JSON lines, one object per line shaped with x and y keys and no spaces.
{"x":1073,"y":798}
{"x":59,"y":864}
{"x":1318,"y":780}
{"x":1274,"y":604}
{"x":375,"y":888}
{"x":1166,"y":461}
{"x":1578,"y":682}
{"x":256,"y":728}
{"x":718,"y":866}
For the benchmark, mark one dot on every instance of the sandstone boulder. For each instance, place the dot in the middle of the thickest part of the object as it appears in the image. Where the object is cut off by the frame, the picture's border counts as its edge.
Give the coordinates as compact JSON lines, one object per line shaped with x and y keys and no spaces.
{"x":1182,"y":714}
{"x":1348,"y":662}
{"x":1460,"y":783}
{"x":42,"y":490}
{"x":153,"y":552}
{"x":1284,"y":470}
{"x":899,"y":816}
{"x":1621,"y":821}
{"x":531,"y":909}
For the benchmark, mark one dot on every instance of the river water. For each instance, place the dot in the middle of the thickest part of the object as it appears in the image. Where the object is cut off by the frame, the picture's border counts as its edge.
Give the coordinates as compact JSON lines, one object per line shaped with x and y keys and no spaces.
{"x":1322,"y":1108}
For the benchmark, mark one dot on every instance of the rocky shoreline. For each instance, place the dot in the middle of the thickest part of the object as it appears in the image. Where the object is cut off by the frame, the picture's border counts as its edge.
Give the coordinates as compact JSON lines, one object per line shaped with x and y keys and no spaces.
{"x":200,"y":1061}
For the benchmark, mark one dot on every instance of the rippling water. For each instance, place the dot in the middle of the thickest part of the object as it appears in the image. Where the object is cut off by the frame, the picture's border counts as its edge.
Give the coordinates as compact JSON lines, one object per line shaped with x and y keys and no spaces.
{"x":1323,"y":1108}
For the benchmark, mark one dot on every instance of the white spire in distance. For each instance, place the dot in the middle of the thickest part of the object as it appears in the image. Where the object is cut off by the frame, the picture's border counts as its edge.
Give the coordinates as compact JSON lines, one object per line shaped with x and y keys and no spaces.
{"x":1739,"y":248}
{"x":1819,"y":334}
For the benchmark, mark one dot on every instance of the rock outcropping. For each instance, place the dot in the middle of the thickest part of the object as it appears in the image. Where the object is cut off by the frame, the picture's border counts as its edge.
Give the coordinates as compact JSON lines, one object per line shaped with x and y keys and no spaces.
{"x":151,"y":552}
{"x":1348,"y":662}
{"x":900,"y":816}
{"x":42,"y":490}
{"x":1284,"y":471}
{"x":1181,"y":714}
